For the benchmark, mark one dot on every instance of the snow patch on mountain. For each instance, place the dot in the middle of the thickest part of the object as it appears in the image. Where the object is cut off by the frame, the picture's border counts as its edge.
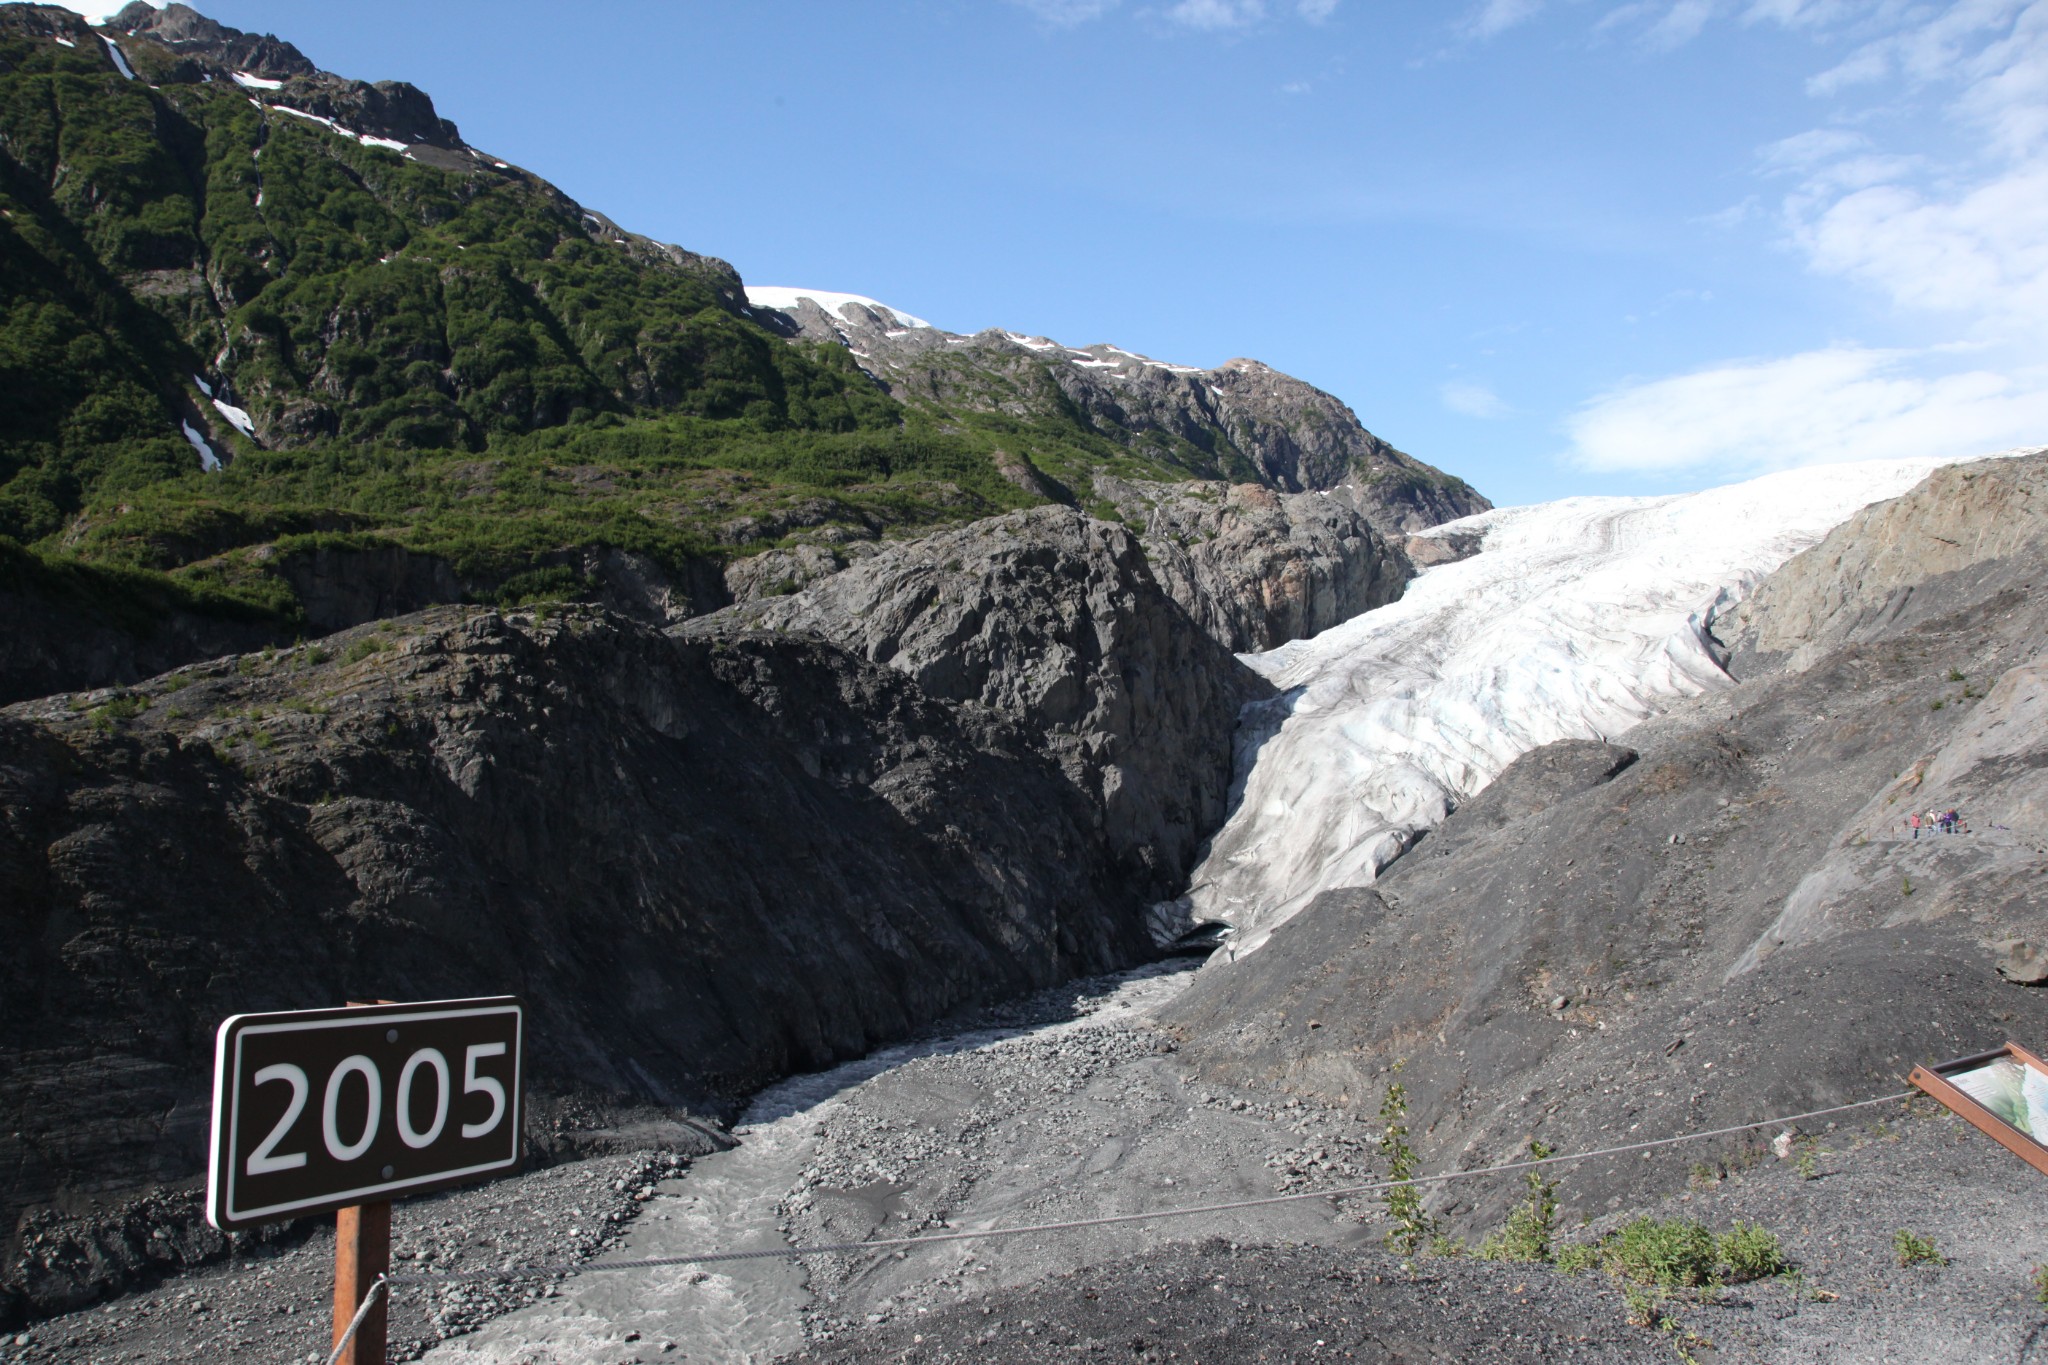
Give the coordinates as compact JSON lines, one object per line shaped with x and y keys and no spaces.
{"x":1577,"y":619}
{"x":236,"y":416}
{"x":120,"y":60}
{"x":208,"y":460}
{"x":785,"y":300}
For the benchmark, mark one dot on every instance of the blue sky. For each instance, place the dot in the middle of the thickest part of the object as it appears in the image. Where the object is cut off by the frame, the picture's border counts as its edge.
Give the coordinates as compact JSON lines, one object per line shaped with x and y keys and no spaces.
{"x":1555,"y":246}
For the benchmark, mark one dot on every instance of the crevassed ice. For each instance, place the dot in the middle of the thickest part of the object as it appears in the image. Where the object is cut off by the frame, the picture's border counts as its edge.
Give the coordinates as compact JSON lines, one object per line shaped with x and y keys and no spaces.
{"x":1577,"y":619}
{"x":785,"y":300}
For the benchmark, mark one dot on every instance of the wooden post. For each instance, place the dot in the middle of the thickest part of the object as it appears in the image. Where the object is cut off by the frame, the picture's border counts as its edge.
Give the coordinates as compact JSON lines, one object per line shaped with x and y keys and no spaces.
{"x":362,"y":1253}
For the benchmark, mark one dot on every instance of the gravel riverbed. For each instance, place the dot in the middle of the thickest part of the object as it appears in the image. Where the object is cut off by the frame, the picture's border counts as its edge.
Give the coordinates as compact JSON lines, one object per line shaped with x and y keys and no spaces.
{"x":1071,"y":1106}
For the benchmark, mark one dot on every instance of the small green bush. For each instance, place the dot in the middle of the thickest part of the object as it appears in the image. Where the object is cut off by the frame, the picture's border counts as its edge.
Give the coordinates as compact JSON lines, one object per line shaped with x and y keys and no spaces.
{"x":1526,"y":1234}
{"x":1579,"y":1257}
{"x":2041,"y":1284}
{"x":1913,"y":1249}
{"x":1412,"y":1226}
{"x":126,"y":706}
{"x":1750,"y":1252}
{"x":1674,"y":1253}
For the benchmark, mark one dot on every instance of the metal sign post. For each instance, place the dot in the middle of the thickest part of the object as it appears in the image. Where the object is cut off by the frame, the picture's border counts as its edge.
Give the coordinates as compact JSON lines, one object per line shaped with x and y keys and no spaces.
{"x":343,"y":1109}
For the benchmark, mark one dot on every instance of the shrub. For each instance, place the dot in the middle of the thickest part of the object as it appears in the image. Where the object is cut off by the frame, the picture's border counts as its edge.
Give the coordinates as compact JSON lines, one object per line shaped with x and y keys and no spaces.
{"x":1580,"y":1256}
{"x":1913,"y":1249}
{"x":1413,"y":1227}
{"x":1671,"y":1254}
{"x":1526,"y":1234}
{"x":1750,"y":1252}
{"x":126,"y":706}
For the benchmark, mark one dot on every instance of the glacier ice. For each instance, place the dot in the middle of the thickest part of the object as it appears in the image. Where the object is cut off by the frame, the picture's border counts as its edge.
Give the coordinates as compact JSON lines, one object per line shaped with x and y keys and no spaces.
{"x":1576,"y":619}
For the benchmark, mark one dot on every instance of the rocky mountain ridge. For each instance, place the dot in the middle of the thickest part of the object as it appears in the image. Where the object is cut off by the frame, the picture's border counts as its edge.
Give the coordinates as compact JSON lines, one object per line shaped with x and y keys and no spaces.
{"x":1241,"y":421}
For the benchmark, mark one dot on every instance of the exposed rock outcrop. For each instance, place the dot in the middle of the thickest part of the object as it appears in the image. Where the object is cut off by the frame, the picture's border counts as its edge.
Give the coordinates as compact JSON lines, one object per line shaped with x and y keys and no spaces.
{"x":59,"y":641}
{"x":1057,"y":619}
{"x":1973,"y":528}
{"x":386,"y":109}
{"x":1255,"y":568}
{"x":705,"y":863}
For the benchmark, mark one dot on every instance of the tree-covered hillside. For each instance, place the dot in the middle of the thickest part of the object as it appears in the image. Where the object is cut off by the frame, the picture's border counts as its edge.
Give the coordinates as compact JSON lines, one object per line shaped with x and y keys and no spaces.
{"x":251,"y":310}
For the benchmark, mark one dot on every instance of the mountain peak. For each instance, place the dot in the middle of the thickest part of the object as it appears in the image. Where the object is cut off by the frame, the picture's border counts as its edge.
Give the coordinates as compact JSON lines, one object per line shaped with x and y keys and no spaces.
{"x":189,"y":33}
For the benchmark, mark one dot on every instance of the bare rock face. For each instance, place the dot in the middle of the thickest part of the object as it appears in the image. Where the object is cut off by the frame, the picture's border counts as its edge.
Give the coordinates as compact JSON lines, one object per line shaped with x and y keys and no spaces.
{"x":388,"y":109}
{"x":705,"y":863}
{"x":1898,"y":562}
{"x":1255,"y":568}
{"x":777,"y":573}
{"x":1056,"y":619}
{"x":1242,"y":420}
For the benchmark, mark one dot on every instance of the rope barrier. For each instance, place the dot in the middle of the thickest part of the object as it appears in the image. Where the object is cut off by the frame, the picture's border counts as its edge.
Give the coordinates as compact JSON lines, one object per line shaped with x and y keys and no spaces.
{"x":362,"y":1311}
{"x":978,"y":1234}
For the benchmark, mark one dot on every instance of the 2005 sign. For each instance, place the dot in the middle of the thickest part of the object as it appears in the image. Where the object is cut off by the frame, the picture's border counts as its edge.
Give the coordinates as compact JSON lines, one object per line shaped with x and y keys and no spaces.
{"x":318,"y":1109}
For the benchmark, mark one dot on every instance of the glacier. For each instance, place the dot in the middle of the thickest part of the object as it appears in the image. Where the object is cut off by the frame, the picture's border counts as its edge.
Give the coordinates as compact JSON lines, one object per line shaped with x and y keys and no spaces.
{"x":1576,"y":619}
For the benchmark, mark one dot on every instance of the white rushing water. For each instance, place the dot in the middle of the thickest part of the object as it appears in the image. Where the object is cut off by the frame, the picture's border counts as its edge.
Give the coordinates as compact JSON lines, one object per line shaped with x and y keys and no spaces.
{"x":1576,"y":620}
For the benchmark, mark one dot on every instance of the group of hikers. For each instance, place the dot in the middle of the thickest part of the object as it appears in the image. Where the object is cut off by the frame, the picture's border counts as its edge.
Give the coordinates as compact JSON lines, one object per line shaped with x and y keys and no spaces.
{"x":1935,"y":822}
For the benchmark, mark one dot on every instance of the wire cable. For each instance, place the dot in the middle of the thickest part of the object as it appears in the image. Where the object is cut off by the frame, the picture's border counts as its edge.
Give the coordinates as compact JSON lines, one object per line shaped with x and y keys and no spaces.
{"x":356,"y":1322}
{"x":979,"y":1234}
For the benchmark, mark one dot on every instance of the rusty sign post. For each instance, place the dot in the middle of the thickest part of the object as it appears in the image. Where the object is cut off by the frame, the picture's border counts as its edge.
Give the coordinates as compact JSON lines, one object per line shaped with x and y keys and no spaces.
{"x":343,"y":1109}
{"x":362,"y":1256}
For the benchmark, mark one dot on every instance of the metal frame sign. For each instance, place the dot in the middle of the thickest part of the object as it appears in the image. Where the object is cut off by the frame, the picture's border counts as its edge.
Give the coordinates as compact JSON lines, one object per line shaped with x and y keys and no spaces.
{"x":316,"y":1110}
{"x":2003,"y":1092}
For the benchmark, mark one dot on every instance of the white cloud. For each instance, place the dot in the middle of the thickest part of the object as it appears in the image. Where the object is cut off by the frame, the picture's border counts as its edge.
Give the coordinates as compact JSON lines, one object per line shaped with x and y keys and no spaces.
{"x":1680,"y":25}
{"x":1956,"y":244}
{"x":1966,"y":241}
{"x":1315,"y":11}
{"x":1982,"y":255}
{"x":1804,"y":151}
{"x":1217,"y":14}
{"x":1067,"y":13}
{"x":1498,"y":16}
{"x":1472,"y":400}
{"x":1843,"y":403}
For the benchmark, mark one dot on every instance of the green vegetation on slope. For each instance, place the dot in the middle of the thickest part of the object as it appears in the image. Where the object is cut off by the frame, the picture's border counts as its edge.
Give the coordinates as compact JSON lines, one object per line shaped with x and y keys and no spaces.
{"x":452,"y":357}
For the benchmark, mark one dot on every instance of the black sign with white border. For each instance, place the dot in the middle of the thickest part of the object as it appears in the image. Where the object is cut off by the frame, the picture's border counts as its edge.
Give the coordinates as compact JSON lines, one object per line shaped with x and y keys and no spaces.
{"x":315,"y":1110}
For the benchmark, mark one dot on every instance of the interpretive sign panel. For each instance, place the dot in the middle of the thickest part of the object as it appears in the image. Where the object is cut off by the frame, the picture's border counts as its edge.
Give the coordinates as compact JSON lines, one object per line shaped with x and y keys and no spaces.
{"x":2004,"y":1092}
{"x":318,"y":1109}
